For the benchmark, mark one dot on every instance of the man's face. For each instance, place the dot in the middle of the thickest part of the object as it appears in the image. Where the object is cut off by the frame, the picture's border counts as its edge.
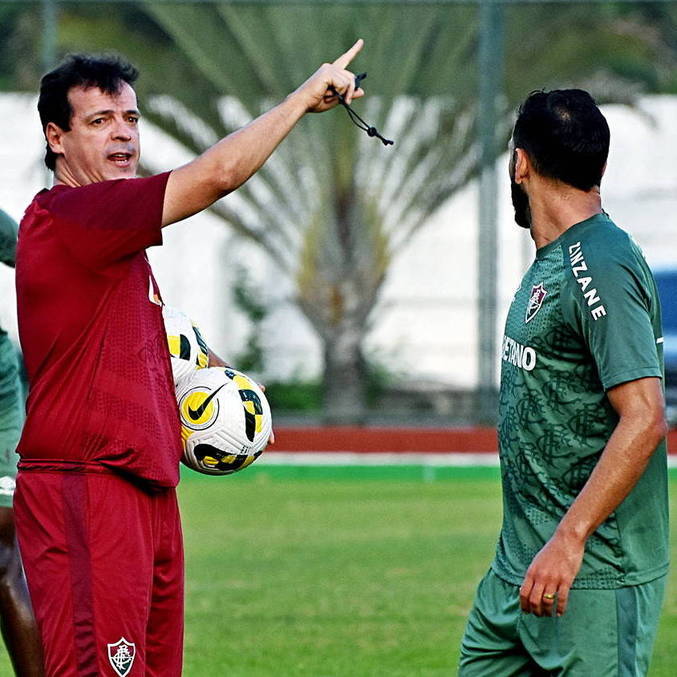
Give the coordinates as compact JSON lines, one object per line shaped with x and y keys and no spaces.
{"x":520,"y":199}
{"x":103,"y":140}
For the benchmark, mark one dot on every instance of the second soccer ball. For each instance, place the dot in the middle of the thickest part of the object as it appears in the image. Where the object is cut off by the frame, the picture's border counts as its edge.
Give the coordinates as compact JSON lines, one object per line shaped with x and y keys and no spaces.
{"x":225,"y":420}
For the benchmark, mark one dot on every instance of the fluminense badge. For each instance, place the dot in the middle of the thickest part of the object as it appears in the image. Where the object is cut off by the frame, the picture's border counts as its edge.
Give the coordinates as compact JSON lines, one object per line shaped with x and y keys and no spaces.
{"x":121,"y":656}
{"x":538,"y":293}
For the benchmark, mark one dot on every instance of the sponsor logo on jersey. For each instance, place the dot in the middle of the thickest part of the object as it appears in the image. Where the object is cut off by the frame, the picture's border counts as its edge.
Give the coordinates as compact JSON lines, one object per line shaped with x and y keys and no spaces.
{"x":7,"y":486}
{"x":520,"y":355}
{"x":580,"y":270}
{"x":121,"y":656}
{"x":538,"y":294}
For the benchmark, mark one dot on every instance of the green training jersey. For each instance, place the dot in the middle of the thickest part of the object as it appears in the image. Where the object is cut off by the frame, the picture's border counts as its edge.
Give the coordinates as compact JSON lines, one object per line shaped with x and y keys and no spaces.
{"x":11,"y":404}
{"x":8,"y":231}
{"x":585,"y":319}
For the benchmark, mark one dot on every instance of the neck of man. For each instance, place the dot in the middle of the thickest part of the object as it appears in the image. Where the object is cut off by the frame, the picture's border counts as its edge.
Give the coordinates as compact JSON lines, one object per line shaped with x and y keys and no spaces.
{"x":64,"y":177}
{"x":556,"y":207}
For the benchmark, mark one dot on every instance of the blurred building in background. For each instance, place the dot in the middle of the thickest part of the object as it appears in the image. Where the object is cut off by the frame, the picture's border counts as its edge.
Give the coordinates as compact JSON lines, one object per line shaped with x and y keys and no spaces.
{"x":368,"y":283}
{"x":424,"y":329}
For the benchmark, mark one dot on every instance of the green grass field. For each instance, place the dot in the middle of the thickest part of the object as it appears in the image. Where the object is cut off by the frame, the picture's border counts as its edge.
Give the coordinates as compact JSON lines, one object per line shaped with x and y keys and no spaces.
{"x":323,"y":573}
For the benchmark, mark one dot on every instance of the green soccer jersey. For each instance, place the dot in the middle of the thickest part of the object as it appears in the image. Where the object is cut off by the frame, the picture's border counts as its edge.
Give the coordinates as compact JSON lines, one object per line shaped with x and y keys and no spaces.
{"x":585,"y":319}
{"x":8,"y":230}
{"x":11,"y":409}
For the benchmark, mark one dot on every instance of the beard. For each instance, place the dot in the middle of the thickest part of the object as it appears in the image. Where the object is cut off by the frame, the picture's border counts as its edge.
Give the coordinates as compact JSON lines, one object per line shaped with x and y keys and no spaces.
{"x":520,"y":203}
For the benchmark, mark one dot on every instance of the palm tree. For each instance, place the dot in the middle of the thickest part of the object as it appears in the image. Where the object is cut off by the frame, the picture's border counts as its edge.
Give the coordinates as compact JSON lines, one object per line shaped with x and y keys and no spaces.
{"x":20,"y":61}
{"x":354,"y":203}
{"x":333,"y":207}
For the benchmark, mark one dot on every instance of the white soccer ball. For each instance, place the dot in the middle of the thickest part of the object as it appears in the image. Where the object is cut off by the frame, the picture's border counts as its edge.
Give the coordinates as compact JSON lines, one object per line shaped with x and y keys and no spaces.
{"x":187,"y":348}
{"x":225,"y":420}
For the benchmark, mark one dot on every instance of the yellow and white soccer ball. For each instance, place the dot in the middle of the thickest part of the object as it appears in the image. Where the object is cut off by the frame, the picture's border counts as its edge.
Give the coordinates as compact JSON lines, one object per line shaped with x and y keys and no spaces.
{"x":187,"y":348}
{"x":225,"y":420}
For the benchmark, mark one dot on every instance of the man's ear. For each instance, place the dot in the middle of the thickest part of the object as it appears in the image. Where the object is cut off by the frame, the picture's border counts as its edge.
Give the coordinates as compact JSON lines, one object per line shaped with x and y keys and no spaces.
{"x":523,"y":166}
{"x":54,"y":136}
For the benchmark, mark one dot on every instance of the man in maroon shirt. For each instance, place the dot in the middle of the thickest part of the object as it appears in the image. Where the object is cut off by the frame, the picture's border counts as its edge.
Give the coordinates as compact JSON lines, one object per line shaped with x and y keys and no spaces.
{"x":95,"y":505}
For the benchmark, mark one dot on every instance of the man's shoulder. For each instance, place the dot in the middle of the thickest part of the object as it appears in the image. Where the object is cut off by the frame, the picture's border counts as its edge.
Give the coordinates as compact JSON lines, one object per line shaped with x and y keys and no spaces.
{"x":42,"y":201}
{"x":599,"y":232}
{"x":49,"y":198}
{"x":605,"y":267}
{"x":101,"y":198}
{"x":601,"y":246}
{"x":72,"y":203}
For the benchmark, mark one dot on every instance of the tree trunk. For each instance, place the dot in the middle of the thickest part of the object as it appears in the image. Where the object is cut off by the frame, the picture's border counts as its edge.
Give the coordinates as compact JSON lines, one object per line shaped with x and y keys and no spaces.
{"x":344,"y":377}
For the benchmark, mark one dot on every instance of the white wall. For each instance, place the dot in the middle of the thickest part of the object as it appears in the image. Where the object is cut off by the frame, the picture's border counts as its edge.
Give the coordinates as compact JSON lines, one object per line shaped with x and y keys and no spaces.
{"x":426,"y":318}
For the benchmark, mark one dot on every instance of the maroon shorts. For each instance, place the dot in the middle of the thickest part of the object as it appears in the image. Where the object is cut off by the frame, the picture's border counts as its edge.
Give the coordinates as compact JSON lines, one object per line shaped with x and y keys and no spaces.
{"x":104,"y":564}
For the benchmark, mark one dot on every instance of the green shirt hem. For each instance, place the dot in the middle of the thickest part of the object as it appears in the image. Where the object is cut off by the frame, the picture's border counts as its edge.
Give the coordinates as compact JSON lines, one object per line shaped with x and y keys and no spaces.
{"x":622,"y":581}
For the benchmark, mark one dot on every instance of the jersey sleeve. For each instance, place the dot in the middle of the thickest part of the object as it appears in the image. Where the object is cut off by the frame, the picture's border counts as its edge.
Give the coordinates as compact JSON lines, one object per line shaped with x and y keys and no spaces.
{"x":102,"y":223}
{"x":8,"y":231}
{"x":610,"y":305}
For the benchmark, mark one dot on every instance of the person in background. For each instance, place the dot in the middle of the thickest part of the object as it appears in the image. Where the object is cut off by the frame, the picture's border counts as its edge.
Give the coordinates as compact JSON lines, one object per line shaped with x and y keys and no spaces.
{"x":17,"y":623}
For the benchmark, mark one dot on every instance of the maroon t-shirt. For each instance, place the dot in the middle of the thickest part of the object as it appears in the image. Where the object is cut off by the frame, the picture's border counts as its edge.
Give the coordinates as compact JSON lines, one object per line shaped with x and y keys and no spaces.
{"x":91,"y":330}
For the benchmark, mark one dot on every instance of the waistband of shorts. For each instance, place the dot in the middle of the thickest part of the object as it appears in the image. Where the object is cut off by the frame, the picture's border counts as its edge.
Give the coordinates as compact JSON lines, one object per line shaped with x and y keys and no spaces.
{"x":51,"y":465}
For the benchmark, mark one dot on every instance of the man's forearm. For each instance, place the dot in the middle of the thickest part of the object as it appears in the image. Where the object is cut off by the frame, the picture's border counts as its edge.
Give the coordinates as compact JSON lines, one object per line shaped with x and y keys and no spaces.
{"x":229,"y":163}
{"x":215,"y":360}
{"x":619,"y":468}
{"x":243,"y":152}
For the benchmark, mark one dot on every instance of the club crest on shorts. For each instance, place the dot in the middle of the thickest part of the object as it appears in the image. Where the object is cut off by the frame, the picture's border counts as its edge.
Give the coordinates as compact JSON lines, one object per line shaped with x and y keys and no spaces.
{"x":121,"y":656}
{"x":538,"y":293}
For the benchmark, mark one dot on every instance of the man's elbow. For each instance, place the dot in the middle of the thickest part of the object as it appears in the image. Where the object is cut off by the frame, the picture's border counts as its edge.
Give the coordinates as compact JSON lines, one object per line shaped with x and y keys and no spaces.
{"x":229,"y":175}
{"x":661,"y":427}
{"x":655,"y":428}
{"x":226,"y":181}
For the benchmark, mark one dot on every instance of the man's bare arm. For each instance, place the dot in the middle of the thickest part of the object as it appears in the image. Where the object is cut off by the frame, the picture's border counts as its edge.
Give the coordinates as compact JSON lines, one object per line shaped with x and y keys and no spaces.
{"x":231,"y":161}
{"x":215,"y":360}
{"x":640,"y":429}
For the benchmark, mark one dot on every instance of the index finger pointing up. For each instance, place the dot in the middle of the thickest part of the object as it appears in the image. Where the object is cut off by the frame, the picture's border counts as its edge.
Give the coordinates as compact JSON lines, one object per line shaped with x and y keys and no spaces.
{"x":346,"y":58}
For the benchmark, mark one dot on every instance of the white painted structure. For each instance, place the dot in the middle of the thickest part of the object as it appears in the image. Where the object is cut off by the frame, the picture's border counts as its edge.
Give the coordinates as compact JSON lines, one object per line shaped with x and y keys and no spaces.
{"x":426,"y":318}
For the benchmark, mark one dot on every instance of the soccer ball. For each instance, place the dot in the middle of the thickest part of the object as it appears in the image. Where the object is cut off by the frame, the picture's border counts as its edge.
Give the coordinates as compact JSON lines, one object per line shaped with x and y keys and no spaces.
{"x":187,"y":348}
{"x":225,"y":420}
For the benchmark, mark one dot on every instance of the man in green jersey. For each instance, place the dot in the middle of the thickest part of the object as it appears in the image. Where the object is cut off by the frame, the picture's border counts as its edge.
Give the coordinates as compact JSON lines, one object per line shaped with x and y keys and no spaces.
{"x":16,"y":616}
{"x":577,"y":582}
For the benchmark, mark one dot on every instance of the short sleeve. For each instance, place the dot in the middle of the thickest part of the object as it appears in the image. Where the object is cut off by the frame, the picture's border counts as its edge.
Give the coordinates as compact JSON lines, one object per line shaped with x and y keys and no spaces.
{"x":102,"y":223}
{"x":609,"y":302}
{"x":8,"y":231}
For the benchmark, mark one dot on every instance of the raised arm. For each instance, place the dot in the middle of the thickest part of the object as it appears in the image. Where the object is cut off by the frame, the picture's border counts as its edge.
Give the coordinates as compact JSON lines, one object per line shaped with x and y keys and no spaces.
{"x":230,"y":162}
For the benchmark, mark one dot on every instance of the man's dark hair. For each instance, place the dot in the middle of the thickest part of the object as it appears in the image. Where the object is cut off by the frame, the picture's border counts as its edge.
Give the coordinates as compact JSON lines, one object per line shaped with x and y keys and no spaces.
{"x":565,"y":135}
{"x":107,"y":72}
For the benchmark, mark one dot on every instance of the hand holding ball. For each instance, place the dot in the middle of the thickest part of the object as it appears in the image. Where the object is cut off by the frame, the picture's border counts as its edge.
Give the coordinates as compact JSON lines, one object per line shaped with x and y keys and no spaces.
{"x":225,"y":417}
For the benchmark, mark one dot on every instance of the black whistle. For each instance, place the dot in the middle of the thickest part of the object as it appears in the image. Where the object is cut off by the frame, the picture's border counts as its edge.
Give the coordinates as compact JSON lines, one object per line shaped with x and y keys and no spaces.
{"x":355,"y":118}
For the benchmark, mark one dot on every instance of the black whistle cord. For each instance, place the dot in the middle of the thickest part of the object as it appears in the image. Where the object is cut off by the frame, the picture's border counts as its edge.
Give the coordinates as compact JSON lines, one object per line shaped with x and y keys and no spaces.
{"x":355,"y":118}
